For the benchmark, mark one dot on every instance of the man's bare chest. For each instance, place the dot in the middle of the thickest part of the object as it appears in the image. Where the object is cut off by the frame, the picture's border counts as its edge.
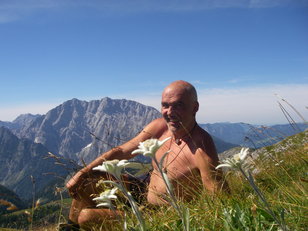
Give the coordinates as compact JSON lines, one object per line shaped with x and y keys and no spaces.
{"x":179,"y":161}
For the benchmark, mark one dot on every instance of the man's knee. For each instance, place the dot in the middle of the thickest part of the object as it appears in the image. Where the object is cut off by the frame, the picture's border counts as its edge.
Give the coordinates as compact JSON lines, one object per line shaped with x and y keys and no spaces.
{"x":85,"y":216}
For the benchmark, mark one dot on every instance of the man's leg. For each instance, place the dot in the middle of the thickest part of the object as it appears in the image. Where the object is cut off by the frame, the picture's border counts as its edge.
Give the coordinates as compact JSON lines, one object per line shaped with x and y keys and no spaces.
{"x":83,"y":209}
{"x":94,"y":216}
{"x":75,"y":210}
{"x":83,"y":198}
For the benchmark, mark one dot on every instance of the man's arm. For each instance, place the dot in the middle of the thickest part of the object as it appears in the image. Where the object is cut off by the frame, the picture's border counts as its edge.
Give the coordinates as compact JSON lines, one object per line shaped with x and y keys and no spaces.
{"x":207,"y":160}
{"x":152,"y":130}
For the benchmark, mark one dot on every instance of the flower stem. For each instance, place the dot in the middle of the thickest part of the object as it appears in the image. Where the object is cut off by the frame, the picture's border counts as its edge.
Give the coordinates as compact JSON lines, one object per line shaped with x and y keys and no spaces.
{"x":173,"y":201}
{"x":133,"y":204}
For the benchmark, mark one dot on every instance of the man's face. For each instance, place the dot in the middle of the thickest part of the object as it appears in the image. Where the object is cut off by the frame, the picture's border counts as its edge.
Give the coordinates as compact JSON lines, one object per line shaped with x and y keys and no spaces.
{"x":178,"y":109}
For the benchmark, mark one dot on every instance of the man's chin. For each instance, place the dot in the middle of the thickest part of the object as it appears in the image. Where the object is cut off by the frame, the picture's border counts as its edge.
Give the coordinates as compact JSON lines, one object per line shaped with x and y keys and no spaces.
{"x":174,"y":127}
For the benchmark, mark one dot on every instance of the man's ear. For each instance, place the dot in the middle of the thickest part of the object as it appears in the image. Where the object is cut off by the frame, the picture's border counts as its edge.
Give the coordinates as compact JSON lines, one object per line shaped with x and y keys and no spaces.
{"x":196,"y":107}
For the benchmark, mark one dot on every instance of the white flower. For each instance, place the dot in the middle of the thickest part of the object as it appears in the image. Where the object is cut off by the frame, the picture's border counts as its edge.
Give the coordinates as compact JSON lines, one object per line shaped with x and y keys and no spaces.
{"x":242,"y":155}
{"x":105,"y":197}
{"x":236,"y":161}
{"x":113,"y":167}
{"x":116,"y":167}
{"x":149,"y":147}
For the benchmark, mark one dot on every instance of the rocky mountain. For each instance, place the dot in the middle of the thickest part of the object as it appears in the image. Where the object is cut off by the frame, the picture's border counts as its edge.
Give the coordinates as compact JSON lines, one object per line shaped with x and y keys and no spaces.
{"x":254,"y":136}
{"x":9,"y":125}
{"x":82,"y":130}
{"x":25,"y":119}
{"x":24,"y":166}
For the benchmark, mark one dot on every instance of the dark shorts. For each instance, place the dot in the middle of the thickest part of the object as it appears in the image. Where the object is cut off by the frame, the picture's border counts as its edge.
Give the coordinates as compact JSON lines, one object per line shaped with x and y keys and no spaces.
{"x":138,"y":188}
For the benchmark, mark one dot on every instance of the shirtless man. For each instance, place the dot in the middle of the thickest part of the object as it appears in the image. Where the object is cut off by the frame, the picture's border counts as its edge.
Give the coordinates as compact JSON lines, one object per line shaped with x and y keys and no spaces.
{"x":192,"y":154}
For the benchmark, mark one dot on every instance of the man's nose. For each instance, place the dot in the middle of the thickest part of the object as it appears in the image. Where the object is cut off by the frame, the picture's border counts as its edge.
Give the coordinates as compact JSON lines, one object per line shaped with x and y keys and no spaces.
{"x":170,"y":110}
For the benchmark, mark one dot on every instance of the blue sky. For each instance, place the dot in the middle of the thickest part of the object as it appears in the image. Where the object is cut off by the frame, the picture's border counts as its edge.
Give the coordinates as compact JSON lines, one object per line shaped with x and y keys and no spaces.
{"x":237,"y":53}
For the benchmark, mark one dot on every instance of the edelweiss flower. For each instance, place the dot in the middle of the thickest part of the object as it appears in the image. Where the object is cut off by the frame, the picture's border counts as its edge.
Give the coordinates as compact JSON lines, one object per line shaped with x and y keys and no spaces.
{"x":113,"y":167}
{"x":105,"y":197}
{"x":242,"y":155}
{"x":149,"y":147}
{"x":236,"y":161}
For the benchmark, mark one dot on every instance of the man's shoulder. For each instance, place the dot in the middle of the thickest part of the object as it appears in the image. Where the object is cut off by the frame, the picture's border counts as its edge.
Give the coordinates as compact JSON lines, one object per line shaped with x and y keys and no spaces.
{"x":160,"y":123}
{"x":203,"y":133}
{"x":203,"y":138}
{"x":156,"y":128}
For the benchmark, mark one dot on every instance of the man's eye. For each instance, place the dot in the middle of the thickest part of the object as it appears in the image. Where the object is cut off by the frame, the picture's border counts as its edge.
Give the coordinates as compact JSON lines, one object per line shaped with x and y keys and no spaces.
{"x":178,"y":105}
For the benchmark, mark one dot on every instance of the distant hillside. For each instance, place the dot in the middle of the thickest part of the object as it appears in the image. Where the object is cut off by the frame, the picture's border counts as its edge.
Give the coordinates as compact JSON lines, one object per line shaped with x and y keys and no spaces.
{"x":300,"y":140}
{"x":8,"y":199}
{"x":254,"y":136}
{"x":23,"y":165}
{"x":222,"y":145}
{"x":19,"y":122}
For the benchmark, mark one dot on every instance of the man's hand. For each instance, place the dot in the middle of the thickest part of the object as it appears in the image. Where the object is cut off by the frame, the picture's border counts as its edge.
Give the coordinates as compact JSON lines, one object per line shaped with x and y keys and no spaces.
{"x":75,"y":183}
{"x":83,"y":183}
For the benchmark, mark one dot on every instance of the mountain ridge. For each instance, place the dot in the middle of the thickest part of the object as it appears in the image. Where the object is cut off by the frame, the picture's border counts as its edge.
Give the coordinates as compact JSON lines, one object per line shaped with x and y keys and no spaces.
{"x":68,"y":128}
{"x":23,"y":163}
{"x":99,"y":118}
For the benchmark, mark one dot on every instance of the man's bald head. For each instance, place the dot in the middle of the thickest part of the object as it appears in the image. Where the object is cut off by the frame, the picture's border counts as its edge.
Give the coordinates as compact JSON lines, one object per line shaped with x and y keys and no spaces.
{"x":184,"y":87}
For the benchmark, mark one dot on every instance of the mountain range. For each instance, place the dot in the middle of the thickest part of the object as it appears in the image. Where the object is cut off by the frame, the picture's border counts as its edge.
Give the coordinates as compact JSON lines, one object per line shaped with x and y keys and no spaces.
{"x":253,"y":136}
{"x":81,"y":130}
{"x":78,"y":131}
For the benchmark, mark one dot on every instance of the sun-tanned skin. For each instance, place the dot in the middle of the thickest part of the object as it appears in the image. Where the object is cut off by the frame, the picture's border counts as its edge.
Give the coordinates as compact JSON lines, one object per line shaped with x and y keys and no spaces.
{"x":192,"y":154}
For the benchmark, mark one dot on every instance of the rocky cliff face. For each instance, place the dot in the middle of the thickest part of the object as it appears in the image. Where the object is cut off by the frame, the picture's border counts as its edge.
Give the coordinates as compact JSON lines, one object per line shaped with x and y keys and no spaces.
{"x":20,"y":159}
{"x":82,"y":130}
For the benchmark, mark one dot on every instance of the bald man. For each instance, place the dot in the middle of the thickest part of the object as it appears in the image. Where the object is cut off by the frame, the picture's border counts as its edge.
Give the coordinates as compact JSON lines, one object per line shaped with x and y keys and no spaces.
{"x":192,"y":157}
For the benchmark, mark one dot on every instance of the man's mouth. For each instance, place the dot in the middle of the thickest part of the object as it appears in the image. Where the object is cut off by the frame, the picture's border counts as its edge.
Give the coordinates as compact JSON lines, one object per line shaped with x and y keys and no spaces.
{"x":173,"y":121}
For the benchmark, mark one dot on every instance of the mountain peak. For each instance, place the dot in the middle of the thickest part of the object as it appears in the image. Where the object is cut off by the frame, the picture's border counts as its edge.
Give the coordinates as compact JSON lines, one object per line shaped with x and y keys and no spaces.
{"x":25,"y":118}
{"x":69,"y":127}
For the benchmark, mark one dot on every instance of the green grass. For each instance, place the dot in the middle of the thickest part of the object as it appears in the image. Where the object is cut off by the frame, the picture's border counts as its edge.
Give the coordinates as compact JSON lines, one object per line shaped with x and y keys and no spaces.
{"x":44,"y":216}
